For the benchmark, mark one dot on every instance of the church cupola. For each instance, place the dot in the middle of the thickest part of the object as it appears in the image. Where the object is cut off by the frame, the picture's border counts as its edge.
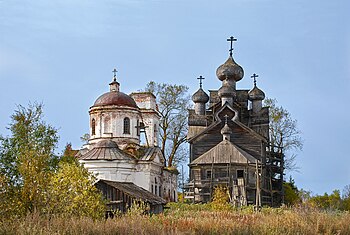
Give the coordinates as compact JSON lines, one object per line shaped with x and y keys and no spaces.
{"x":256,"y":96}
{"x":200,"y":98}
{"x":114,"y":85}
{"x":115,"y":116}
{"x":226,"y":93}
{"x":226,"y":131}
{"x":230,"y":70}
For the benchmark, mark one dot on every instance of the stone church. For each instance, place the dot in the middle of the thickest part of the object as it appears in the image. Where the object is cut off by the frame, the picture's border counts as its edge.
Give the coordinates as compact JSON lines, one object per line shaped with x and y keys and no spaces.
{"x":127,"y":169}
{"x":229,"y":142}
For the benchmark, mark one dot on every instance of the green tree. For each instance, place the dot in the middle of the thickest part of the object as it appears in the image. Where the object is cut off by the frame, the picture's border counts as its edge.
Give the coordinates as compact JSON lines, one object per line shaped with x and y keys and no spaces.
{"x":173,"y":102}
{"x":11,"y":204}
{"x":291,"y":193}
{"x":284,"y":133}
{"x":71,"y":192}
{"x":346,"y":198}
{"x":27,"y":155}
{"x":332,"y":201}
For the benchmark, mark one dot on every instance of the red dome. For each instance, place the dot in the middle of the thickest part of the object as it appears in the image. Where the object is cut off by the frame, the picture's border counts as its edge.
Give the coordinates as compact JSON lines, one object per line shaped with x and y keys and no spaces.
{"x":115,"y":98}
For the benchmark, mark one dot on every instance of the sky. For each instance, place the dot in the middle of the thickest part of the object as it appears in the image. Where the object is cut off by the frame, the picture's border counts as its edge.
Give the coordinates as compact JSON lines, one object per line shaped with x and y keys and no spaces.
{"x":62,"y":53}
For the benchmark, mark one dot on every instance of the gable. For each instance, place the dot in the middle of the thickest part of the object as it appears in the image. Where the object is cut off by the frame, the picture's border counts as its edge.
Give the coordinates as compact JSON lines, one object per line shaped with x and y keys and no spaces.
{"x":153,"y":154}
{"x":225,"y":153}
{"x":232,"y":118}
{"x":240,"y":137}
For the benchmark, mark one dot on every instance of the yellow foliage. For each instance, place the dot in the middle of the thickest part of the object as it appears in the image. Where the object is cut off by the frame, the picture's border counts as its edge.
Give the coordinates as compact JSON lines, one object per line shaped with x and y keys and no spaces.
{"x":72,"y":192}
{"x":221,"y":198}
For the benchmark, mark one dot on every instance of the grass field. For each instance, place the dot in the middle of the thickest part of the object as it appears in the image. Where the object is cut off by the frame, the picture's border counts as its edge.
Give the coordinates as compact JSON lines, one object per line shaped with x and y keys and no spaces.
{"x":191,"y":219}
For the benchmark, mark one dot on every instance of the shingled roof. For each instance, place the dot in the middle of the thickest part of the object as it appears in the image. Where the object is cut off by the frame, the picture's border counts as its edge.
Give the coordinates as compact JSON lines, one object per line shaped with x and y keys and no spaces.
{"x":223,"y":153}
{"x":105,"y":150}
{"x":135,"y":192}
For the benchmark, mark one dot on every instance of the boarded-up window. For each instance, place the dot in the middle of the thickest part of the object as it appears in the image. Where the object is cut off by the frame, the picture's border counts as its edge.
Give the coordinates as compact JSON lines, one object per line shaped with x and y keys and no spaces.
{"x":106,"y":125}
{"x":93,"y":125}
{"x":126,"y":125}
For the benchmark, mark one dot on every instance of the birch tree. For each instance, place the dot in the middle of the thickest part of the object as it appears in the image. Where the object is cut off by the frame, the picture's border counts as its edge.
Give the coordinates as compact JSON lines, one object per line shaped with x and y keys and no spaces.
{"x":173,"y":102}
{"x":284,"y":133}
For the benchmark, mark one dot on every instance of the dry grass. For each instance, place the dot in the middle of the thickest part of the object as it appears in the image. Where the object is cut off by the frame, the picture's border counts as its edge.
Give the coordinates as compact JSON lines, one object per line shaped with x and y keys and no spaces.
{"x":191,"y":219}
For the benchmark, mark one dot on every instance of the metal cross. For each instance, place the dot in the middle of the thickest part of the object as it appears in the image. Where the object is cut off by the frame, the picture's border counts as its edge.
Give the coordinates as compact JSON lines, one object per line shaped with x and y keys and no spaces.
{"x":200,"y":81}
{"x":226,"y":117}
{"x":254,"y":76}
{"x":114,"y":74}
{"x":231,"y":39}
{"x":141,"y":127}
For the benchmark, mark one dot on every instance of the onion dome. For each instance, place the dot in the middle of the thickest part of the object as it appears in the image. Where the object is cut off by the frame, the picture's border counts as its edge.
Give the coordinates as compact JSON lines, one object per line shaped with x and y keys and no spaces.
{"x":230,"y":70}
{"x":226,"y":130}
{"x":256,"y":94}
{"x":226,"y":90}
{"x":200,"y":96}
{"x":115,"y":98}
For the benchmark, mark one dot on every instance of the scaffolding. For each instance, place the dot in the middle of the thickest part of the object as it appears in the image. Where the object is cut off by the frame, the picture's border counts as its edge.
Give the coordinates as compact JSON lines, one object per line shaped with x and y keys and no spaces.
{"x":267,"y":189}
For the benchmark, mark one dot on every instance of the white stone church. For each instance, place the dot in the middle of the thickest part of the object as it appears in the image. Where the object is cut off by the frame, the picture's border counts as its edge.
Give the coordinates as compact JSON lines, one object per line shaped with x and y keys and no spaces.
{"x":114,"y":151}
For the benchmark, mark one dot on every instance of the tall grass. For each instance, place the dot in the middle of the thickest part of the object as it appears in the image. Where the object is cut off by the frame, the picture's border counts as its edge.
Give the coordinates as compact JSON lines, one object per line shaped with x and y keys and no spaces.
{"x":191,"y":219}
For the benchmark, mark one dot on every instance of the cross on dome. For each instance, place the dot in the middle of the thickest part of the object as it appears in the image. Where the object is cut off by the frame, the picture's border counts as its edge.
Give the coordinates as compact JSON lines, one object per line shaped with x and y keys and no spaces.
{"x":226,"y":117}
{"x":114,"y":74}
{"x":200,"y":80}
{"x":254,"y":76}
{"x":231,"y":39}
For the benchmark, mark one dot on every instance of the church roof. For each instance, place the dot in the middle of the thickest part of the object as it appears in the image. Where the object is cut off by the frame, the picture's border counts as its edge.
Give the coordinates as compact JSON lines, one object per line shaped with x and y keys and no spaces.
{"x":136,"y":192}
{"x":218,"y":122}
{"x":115,"y":98}
{"x":256,"y":94}
{"x":105,"y":150}
{"x":223,"y":153}
{"x":230,"y":70}
{"x":200,"y":96}
{"x":150,"y":153}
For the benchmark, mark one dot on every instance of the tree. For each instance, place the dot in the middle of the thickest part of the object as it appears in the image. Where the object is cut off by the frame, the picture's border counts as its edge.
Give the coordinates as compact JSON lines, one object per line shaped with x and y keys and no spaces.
{"x":332,"y":201}
{"x":27,"y":156}
{"x":346,"y":198}
{"x":291,"y":193}
{"x":34,"y":179}
{"x":85,"y":138}
{"x":172,"y":105}
{"x":69,"y":154}
{"x":71,"y":192}
{"x":284,"y":133}
{"x":221,"y":198}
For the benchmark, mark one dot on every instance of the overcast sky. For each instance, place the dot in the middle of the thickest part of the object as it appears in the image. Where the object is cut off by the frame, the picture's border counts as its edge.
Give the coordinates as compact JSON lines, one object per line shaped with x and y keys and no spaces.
{"x":62,"y":53}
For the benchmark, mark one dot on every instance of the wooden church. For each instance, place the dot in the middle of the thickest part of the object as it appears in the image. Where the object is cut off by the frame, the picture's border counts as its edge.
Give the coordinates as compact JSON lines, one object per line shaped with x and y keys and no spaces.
{"x":229,"y":143}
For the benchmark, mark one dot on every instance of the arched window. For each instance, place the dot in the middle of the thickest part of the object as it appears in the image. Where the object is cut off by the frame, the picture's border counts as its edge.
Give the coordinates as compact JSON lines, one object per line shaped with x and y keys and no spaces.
{"x":93,"y":124}
{"x":126,"y":125}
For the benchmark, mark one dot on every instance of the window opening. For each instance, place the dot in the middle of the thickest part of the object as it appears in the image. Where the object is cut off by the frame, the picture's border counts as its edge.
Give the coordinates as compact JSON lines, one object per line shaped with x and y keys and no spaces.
{"x":93,"y":124}
{"x":240,"y":173}
{"x":126,"y":125}
{"x":208,"y":174}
